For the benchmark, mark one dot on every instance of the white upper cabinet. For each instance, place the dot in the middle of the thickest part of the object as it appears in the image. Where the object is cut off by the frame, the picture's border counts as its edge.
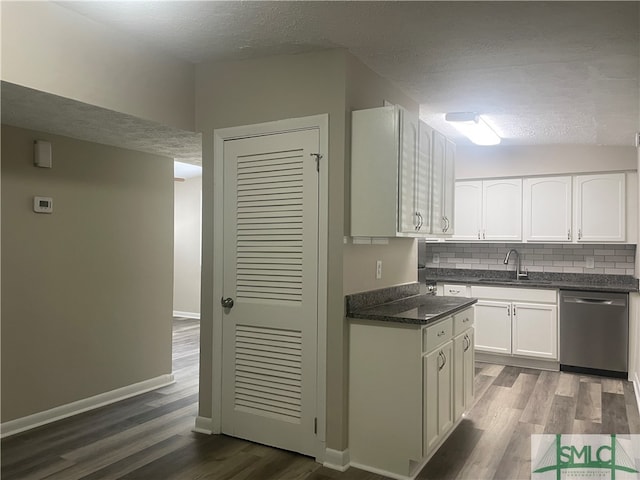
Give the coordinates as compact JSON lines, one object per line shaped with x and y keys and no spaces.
{"x":443,"y":185}
{"x":468,"y":211}
{"x":547,"y":209}
{"x":600,"y":207}
{"x":396,"y":188}
{"x":383,"y":151}
{"x":502,"y":209}
{"x":489,"y":210}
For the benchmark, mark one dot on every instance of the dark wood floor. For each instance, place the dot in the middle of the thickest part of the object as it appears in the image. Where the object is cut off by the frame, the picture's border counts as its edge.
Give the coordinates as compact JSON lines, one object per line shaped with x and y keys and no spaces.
{"x":149,"y":437}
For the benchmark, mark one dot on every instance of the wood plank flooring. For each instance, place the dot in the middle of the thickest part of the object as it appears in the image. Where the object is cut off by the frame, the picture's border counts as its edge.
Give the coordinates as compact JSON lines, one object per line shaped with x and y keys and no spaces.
{"x":149,"y":437}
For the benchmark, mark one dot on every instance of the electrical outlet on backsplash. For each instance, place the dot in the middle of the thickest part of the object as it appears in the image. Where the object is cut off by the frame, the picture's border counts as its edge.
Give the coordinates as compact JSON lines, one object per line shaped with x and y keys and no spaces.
{"x":608,"y":259}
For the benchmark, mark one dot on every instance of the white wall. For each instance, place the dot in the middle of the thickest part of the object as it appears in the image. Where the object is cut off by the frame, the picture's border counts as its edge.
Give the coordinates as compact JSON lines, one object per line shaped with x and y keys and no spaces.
{"x":187,"y":247}
{"x":52,"y":49}
{"x":506,"y":161}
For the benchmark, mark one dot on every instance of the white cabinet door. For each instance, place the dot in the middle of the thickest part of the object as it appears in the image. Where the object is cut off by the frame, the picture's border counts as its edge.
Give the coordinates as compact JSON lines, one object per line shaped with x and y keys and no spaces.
{"x":600,"y":207}
{"x":463,"y":373}
{"x":424,"y":178}
{"x":493,"y":326}
{"x":535,"y":330}
{"x":547,"y":209}
{"x":407,"y":195}
{"x":469,"y":372}
{"x":438,"y":391}
{"x":468,"y":210}
{"x":502,"y":209}
{"x":449,"y":187}
{"x":443,"y":174}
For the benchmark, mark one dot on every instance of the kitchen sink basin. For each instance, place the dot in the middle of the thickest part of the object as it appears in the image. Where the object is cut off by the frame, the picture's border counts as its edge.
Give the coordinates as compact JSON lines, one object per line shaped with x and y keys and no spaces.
{"x":513,"y":281}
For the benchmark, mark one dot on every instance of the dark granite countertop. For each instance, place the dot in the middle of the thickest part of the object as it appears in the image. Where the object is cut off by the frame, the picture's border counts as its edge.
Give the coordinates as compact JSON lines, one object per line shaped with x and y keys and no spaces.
{"x":562,"y":281}
{"x":403,"y":305}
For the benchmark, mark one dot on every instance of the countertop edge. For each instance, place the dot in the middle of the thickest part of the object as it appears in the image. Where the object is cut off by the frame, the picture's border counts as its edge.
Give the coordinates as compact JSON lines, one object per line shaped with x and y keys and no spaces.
{"x":464,"y":303}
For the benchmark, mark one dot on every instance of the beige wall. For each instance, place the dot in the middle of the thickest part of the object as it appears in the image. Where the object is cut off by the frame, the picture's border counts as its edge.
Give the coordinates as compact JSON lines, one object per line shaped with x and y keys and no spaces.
{"x":187,"y":246}
{"x":86,"y":296}
{"x":255,"y":91}
{"x":365,"y":89}
{"x":505,"y":161}
{"x":261,"y":90}
{"x":50,"y":48}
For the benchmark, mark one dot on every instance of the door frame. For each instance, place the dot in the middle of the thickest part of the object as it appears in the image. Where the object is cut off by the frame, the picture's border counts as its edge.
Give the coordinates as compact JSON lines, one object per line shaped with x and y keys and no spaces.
{"x":321,"y":123}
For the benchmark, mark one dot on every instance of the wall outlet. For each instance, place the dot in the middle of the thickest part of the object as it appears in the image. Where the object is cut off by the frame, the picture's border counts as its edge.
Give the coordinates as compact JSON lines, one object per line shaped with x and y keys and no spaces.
{"x":436,"y":258}
{"x":588,"y":262}
{"x":378,"y":269}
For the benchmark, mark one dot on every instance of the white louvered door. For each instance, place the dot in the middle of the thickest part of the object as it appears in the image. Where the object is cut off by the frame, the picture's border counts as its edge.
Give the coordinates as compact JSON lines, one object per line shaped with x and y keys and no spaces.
{"x":270,"y":273}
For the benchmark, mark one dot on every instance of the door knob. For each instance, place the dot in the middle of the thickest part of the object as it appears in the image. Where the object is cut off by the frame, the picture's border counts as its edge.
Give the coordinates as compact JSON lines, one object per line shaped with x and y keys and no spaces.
{"x":226,"y":302}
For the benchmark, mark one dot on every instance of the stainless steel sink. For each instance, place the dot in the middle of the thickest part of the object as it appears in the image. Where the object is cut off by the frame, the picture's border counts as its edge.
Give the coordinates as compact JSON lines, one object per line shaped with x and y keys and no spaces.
{"x":513,"y":281}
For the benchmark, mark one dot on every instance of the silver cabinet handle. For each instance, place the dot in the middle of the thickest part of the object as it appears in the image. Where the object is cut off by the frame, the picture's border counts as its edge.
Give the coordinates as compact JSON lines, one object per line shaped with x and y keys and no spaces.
{"x":478,"y":234}
{"x":440,"y":357}
{"x":467,"y":341}
{"x":569,"y":234}
{"x":448,"y":224}
{"x":440,"y":333}
{"x":226,"y":302}
{"x":509,"y":310}
{"x":484,"y":235}
{"x":465,"y":320}
{"x":579,"y":234}
{"x":444,"y":360}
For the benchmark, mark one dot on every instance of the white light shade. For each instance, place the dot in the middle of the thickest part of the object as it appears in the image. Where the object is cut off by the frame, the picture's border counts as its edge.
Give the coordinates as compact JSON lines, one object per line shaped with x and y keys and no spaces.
{"x":472,"y":126}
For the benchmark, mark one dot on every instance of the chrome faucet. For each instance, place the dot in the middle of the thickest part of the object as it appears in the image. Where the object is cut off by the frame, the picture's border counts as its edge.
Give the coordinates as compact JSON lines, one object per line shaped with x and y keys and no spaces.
{"x":519,"y":274}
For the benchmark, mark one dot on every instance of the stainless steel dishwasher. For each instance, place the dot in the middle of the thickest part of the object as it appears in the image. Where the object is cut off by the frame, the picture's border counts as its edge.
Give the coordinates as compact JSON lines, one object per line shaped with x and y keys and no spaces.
{"x":594,"y":332}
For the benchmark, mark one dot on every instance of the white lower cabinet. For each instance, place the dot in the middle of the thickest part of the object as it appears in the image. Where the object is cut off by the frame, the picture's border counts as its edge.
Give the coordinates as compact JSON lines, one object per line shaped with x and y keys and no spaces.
{"x":464,"y":372}
{"x":493,"y":326}
{"x":516,"y":321}
{"x":408,"y":387}
{"x":438,"y":393}
{"x":535,"y":328}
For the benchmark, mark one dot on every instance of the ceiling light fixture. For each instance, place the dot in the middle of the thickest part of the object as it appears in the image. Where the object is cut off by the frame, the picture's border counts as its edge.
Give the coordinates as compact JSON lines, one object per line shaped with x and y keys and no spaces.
{"x":472,"y":126}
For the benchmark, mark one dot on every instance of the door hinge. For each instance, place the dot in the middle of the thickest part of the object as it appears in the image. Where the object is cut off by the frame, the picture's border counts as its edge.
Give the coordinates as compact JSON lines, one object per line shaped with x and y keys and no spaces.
{"x":318,"y":158}
{"x":315,"y":425}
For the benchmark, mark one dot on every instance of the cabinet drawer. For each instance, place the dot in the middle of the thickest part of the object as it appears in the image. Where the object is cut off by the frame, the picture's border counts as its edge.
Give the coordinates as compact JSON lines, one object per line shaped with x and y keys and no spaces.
{"x":462,"y":321}
{"x":437,"y":334}
{"x":455,"y":290}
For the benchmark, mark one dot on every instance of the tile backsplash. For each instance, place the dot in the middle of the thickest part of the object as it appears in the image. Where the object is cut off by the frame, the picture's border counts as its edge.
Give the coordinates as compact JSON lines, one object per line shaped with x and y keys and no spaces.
{"x":611,"y":259}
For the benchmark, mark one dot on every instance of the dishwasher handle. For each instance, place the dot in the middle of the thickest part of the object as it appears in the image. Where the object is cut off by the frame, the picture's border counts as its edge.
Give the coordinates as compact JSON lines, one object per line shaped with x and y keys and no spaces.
{"x":596,"y":301}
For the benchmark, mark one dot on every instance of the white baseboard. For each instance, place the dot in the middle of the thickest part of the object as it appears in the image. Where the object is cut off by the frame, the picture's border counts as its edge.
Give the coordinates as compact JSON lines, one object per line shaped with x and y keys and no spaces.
{"x":63,"y":411}
{"x":203,"y":425}
{"x":194,"y":315}
{"x":379,"y":471}
{"x":336,"y":459}
{"x":515,"y":361}
{"x":636,"y":388}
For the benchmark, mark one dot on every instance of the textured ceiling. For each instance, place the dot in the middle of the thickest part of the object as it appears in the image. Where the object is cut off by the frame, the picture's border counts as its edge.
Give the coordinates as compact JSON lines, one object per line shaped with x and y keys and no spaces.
{"x":540,"y":72}
{"x":28,"y":108}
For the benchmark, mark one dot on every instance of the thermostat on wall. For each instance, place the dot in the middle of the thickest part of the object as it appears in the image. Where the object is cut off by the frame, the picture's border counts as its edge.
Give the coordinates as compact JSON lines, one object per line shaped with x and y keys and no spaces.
{"x":43,"y":204}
